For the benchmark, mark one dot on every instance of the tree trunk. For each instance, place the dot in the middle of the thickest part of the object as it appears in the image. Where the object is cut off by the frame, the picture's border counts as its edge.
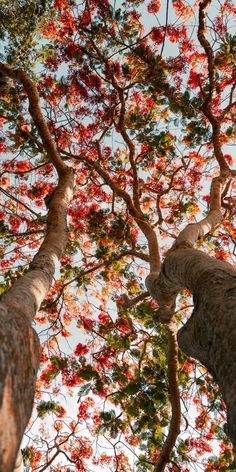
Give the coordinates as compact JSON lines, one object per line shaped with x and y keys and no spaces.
{"x":19,"y":348}
{"x":210,"y":333}
{"x":19,"y":356}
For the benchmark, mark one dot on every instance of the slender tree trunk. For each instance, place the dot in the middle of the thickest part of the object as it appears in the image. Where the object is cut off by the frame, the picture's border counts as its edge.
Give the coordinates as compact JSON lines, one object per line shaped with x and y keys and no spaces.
{"x":210,"y":333}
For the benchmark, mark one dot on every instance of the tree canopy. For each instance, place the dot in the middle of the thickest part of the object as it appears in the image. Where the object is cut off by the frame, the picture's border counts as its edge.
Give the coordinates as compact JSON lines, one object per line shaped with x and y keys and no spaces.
{"x":19,"y":22}
{"x":138,"y":98}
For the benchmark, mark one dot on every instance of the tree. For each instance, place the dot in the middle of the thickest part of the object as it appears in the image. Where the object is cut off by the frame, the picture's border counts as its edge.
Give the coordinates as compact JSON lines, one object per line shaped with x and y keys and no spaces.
{"x":145,"y":129}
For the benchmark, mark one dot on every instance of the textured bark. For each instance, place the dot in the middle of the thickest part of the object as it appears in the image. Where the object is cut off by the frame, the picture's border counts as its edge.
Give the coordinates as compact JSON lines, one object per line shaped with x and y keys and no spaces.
{"x":210,"y":333}
{"x":34,"y":285}
{"x":19,"y":465}
{"x":19,"y":348}
{"x":19,"y":360}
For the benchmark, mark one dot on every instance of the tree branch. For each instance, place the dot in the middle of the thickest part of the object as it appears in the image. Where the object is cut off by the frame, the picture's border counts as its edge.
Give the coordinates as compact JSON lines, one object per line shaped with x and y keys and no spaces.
{"x":133,"y":206}
{"x":206,"y":107}
{"x":36,"y":113}
{"x":142,"y":222}
{"x":121,"y":126}
{"x":129,"y":302}
{"x":174,"y":428}
{"x":131,"y":147}
{"x":208,"y":50}
{"x":106,"y":263}
{"x":192,"y":232}
{"x":20,"y":202}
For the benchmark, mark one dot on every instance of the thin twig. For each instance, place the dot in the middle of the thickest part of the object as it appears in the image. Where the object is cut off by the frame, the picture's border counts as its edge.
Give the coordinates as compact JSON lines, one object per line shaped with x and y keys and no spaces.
{"x":20,"y":202}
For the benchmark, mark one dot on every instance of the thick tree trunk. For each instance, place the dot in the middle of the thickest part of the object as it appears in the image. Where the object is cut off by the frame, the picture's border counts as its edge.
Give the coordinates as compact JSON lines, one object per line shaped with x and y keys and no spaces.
{"x":210,"y":334}
{"x":19,"y":360}
{"x":19,"y":348}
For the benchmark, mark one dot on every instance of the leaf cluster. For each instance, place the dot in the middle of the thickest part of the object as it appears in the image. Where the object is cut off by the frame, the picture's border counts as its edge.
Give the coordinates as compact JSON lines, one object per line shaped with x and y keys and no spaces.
{"x":19,"y":21}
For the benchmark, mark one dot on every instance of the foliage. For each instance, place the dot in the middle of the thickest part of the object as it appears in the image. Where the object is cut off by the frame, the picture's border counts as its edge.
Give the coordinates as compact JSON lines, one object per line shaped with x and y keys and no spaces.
{"x":124,"y":101}
{"x":18,"y":24}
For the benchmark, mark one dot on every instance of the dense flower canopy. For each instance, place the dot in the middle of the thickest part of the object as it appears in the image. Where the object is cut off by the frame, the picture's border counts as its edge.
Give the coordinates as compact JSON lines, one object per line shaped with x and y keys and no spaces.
{"x":139,"y":99}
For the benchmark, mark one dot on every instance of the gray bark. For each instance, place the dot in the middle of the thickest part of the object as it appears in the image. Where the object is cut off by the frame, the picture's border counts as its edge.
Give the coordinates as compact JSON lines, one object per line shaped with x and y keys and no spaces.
{"x":210,"y":333}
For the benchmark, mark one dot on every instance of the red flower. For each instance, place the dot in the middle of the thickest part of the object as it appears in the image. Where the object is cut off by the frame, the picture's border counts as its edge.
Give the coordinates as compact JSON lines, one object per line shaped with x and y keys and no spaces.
{"x":193,"y":80}
{"x":104,"y":318}
{"x":81,"y":349}
{"x":154,"y":6}
{"x":2,"y":148}
{"x":157,"y":35}
{"x":60,"y":411}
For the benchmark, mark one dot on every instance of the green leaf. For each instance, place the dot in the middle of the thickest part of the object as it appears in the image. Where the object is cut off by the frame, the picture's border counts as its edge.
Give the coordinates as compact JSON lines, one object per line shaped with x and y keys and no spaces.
{"x":87,"y":373}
